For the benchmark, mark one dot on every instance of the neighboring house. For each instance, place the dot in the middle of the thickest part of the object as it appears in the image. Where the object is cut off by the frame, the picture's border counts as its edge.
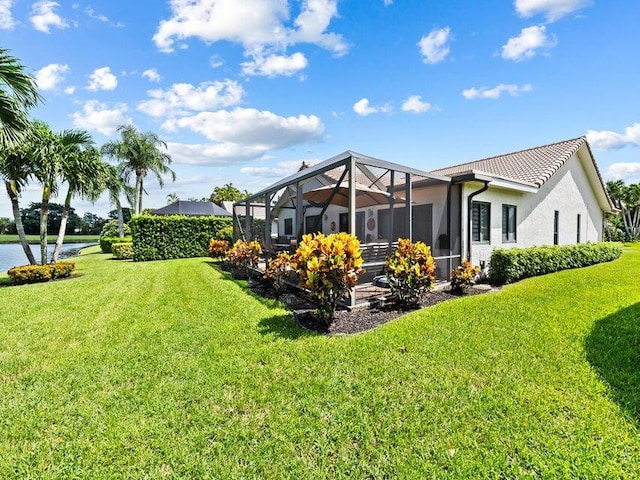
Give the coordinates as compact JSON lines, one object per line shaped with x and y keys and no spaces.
{"x":545,"y":195}
{"x":192,"y":209}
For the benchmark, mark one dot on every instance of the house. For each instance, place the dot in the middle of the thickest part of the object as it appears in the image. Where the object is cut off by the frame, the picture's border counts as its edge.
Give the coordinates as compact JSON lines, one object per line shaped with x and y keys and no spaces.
{"x":192,"y":209}
{"x":546,"y":195}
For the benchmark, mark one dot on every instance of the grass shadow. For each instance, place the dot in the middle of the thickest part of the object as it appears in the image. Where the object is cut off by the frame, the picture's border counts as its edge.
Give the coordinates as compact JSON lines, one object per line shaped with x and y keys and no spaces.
{"x":613,"y":349}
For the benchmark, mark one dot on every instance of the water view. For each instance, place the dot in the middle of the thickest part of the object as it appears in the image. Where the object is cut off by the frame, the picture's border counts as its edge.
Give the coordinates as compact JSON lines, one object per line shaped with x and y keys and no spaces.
{"x":11,"y":254}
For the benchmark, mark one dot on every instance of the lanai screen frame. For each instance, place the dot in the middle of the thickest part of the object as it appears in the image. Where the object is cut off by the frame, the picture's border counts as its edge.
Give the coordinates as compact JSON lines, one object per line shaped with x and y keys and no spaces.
{"x":350,"y":160}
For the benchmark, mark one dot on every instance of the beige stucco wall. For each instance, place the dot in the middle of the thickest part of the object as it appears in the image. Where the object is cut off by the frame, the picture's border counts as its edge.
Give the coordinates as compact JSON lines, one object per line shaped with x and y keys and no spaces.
{"x":569,"y":191}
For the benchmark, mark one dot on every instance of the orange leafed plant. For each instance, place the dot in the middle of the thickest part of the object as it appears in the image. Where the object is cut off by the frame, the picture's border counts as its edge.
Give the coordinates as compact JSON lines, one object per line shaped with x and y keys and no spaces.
{"x":463,"y":276}
{"x":244,"y":255}
{"x":278,"y":269}
{"x":218,"y":248}
{"x":411,"y":271}
{"x":328,"y":266}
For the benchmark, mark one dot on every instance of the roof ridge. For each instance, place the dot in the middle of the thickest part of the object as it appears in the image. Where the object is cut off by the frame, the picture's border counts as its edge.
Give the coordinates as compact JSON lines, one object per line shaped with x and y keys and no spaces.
{"x":582,"y":137}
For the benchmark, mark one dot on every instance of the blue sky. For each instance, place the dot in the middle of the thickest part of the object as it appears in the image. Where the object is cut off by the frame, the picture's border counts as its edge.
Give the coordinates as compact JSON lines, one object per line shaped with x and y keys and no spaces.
{"x":244,"y":90}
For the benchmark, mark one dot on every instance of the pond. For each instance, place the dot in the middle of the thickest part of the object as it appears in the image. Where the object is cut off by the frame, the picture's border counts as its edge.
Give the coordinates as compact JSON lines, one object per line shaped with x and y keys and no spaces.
{"x":11,"y":254}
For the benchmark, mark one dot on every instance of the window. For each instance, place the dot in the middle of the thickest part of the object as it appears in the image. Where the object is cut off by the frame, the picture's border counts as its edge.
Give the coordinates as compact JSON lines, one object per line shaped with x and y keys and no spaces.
{"x":556,"y":226}
{"x":288,"y":226}
{"x":508,"y":223}
{"x":480,"y":222}
{"x":312,"y":224}
{"x":578,"y":230}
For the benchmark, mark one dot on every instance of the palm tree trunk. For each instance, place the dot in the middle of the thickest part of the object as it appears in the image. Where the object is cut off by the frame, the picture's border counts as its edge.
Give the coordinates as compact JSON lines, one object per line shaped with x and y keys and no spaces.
{"x":63,"y":226}
{"x":120,"y":218}
{"x":44,"y":216}
{"x":138,"y":200}
{"x":13,"y":195}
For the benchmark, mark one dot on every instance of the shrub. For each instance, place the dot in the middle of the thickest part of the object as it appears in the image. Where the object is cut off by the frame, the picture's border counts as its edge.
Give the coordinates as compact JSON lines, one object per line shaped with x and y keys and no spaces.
{"x":110,"y":229}
{"x":328,"y":266}
{"x":122,"y":251}
{"x":463,"y":276}
{"x":41,"y":273}
{"x":245,"y":255}
{"x":411,"y":271}
{"x":278,"y":270}
{"x":159,"y":237}
{"x":513,"y":264}
{"x":107,"y":242}
{"x":225,"y":233}
{"x":218,"y":248}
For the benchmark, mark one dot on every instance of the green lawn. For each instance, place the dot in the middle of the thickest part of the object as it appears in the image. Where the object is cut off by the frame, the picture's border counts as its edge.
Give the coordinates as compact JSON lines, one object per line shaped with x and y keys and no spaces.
{"x":51,"y":238}
{"x":171,"y":370}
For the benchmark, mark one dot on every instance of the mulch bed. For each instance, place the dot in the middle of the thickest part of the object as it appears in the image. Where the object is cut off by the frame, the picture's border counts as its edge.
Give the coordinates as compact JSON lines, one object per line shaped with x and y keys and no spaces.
{"x":348,"y":321}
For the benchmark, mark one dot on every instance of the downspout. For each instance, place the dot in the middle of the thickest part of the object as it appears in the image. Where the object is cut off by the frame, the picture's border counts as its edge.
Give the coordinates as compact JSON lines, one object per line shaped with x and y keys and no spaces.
{"x":469,"y":201}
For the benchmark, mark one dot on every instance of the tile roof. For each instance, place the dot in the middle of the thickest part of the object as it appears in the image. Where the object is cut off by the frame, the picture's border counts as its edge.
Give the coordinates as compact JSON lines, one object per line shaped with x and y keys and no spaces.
{"x":533,"y":166}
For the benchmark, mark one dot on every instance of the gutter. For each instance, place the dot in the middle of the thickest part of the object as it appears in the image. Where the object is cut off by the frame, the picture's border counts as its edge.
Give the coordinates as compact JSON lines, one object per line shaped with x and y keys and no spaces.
{"x":472,"y":177}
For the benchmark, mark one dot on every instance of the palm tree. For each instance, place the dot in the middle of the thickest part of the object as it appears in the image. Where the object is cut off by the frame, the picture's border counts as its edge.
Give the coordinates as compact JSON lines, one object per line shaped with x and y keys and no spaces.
{"x":14,"y":170}
{"x":18,"y":93}
{"x":83,"y":170}
{"x":116,"y":187}
{"x":139,"y":154}
{"x":172,"y":198}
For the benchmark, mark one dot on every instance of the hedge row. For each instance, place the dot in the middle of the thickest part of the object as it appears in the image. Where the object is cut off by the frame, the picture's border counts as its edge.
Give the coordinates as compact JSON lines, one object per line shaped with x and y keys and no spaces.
{"x":513,"y":264}
{"x":41,"y":273}
{"x":122,"y":251}
{"x":158,"y":237}
{"x":107,"y":242}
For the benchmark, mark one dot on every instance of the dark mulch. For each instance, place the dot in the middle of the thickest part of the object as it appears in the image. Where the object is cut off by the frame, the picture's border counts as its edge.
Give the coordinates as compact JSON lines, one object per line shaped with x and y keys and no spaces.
{"x":348,"y":321}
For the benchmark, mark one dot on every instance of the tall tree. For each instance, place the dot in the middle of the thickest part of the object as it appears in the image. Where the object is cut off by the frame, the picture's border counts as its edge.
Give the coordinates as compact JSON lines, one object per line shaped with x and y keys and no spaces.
{"x":139,"y":154}
{"x":18,"y":93}
{"x":84,"y":172}
{"x":626,"y":198}
{"x":117,"y":187}
{"x":172,"y":198}
{"x":227,"y":193}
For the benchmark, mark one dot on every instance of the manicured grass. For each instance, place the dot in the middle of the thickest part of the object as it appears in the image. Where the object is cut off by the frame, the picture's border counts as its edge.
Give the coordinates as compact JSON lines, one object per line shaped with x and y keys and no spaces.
{"x":171,"y":370}
{"x":51,"y":238}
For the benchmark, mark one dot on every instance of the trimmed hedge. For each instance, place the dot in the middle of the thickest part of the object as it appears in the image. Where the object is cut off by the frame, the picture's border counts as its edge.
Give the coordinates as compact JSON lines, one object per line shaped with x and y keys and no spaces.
{"x":40,"y":273}
{"x":159,"y":237}
{"x":513,"y":264}
{"x":107,"y":242}
{"x":122,"y":251}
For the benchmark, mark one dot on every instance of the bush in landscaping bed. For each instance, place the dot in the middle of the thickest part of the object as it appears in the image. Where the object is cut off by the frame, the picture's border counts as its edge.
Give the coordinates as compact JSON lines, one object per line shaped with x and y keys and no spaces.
{"x":107,"y":242}
{"x":41,"y":273}
{"x":245,"y":255}
{"x":513,"y":264}
{"x":463,"y":276}
{"x":411,"y":271}
{"x":218,"y":248}
{"x":278,"y":270}
{"x":225,"y":233}
{"x":157,"y":237}
{"x":328,"y":267}
{"x":122,"y":251}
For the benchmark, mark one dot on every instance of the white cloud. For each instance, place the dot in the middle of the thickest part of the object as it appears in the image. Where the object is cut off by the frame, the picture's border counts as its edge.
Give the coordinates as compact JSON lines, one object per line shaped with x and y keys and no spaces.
{"x":102,"y":79}
{"x":274,"y":65}
{"x":7,"y":21}
{"x":527,"y":43}
{"x":70,"y":90}
{"x":495,"y":92}
{"x":362,"y":108}
{"x":213,"y":154}
{"x":216,"y":61}
{"x":96,"y":16}
{"x":608,"y":140}
{"x":387,"y":2}
{"x":250,"y":127}
{"x":551,"y":9}
{"x":627,"y":171}
{"x":183,"y":98}
{"x":152,"y":74}
{"x":415,"y":104}
{"x":280,"y":170}
{"x":258,"y":25}
{"x":43,"y":16}
{"x":435,"y":46}
{"x":48,"y":78}
{"x":98,"y":116}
